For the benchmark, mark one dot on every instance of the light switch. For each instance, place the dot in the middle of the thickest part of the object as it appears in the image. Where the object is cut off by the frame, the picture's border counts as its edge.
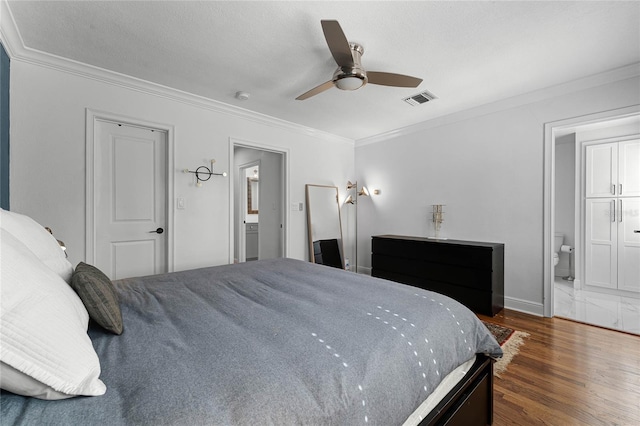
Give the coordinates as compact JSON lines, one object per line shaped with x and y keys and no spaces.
{"x":181,"y":203}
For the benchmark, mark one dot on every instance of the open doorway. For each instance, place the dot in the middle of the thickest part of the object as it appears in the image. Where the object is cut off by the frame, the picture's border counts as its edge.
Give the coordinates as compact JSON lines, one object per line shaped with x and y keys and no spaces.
{"x":259,"y":200}
{"x":568,"y":293}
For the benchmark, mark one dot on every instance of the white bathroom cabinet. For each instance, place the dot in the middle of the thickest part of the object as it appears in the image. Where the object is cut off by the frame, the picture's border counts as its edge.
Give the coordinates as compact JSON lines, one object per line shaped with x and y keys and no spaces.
{"x":613,"y":169}
{"x":612,"y":215}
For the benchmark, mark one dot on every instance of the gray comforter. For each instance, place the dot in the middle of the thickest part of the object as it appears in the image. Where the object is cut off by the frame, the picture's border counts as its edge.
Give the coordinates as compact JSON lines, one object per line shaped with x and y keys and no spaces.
{"x":270,"y":342}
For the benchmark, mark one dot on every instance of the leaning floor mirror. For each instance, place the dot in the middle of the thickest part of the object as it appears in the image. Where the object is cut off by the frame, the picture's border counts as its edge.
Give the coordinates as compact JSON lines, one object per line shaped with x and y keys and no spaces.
{"x":324,"y":225}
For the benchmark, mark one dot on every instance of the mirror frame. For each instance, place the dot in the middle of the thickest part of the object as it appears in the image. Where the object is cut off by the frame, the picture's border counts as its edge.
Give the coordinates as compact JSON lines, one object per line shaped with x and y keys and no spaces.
{"x":249,"y":191}
{"x":310,"y":229}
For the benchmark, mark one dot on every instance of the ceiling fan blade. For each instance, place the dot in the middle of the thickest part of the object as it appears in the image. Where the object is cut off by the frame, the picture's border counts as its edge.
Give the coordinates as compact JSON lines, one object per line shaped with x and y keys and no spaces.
{"x":338,"y":43}
{"x":318,"y":89}
{"x":391,"y":79}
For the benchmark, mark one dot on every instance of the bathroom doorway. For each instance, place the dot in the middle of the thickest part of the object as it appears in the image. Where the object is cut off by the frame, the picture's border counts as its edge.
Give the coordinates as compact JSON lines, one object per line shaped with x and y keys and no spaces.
{"x":567,"y":295}
{"x":259,"y":199}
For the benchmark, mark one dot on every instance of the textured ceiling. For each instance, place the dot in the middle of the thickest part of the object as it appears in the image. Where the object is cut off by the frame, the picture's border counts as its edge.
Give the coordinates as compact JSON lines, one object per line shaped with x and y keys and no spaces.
{"x":468,"y":53}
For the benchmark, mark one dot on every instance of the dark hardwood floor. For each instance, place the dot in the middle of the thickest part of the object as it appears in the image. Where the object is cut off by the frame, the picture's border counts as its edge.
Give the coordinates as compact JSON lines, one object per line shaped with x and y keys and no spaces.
{"x":568,"y":373}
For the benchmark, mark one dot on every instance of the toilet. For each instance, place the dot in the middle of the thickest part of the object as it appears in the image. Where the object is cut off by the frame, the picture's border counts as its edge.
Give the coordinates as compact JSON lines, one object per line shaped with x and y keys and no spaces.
{"x":557,"y":243}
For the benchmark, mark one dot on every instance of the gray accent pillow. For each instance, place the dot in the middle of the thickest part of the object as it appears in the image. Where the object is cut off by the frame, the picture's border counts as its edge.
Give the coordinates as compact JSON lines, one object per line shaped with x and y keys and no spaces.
{"x":99,"y":296}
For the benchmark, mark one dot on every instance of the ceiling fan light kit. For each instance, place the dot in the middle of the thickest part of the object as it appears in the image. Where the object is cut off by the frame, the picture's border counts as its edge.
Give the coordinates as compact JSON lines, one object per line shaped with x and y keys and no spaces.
{"x":349,"y":81}
{"x":350,"y":74}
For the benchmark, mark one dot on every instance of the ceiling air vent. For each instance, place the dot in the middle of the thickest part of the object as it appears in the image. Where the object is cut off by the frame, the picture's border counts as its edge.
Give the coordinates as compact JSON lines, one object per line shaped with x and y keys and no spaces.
{"x":420,"y":98}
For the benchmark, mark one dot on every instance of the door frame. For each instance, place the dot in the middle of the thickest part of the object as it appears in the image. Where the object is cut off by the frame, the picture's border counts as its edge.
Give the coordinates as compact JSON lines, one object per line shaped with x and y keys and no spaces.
{"x":91,"y":117}
{"x":551,"y":131}
{"x":235,"y":142}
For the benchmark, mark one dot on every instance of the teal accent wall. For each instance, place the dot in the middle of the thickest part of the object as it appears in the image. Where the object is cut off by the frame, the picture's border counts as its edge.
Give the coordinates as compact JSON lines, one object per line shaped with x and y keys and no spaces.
{"x":4,"y":128}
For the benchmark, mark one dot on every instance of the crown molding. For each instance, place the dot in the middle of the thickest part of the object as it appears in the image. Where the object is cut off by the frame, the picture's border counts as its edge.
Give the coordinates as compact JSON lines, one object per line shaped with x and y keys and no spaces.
{"x":17,"y":51}
{"x":9,"y":35}
{"x":618,"y":74}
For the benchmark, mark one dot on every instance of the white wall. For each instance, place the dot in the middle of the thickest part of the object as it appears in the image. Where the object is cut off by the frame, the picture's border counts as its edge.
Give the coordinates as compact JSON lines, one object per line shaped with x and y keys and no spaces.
{"x":48,"y":158}
{"x":488,"y":170}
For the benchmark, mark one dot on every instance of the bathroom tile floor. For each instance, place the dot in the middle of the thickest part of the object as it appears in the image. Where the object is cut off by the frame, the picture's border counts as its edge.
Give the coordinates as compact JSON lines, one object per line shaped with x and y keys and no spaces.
{"x":605,"y":310}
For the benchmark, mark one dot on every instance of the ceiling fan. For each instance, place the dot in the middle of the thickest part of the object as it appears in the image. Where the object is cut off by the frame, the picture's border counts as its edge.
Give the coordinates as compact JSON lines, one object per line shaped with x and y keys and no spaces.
{"x":350,"y":75}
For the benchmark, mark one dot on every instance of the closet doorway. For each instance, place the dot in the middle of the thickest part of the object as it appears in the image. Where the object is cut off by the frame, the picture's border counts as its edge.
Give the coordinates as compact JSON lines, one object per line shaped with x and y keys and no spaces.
{"x":259,"y":200}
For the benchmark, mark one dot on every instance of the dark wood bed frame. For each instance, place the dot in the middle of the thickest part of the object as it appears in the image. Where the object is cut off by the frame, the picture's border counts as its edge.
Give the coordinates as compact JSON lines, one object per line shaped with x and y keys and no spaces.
{"x":470,"y":402}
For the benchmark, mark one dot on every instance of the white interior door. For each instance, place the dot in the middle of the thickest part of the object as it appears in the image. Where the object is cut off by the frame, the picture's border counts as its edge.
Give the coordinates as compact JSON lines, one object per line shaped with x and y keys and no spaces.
{"x":271,"y":232}
{"x":130,"y":200}
{"x":629,"y":244}
{"x":601,"y":243}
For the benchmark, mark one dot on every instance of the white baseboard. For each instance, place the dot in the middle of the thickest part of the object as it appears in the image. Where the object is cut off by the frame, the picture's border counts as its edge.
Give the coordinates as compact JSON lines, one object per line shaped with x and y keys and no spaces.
{"x":366,"y":270}
{"x":524,"y":306}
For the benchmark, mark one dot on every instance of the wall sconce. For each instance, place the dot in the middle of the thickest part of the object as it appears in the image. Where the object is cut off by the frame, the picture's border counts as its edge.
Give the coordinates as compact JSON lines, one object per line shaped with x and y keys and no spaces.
{"x":204,"y":173}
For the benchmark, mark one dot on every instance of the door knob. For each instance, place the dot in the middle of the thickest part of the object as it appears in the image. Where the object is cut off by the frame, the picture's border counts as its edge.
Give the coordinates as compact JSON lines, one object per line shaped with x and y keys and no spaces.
{"x":636,"y":231}
{"x":157,"y":231}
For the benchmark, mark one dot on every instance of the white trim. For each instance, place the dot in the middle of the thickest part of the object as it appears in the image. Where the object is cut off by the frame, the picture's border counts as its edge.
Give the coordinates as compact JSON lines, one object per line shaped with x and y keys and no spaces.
{"x":365,"y":270}
{"x":525,"y":306}
{"x":623,"y":73}
{"x":9,"y":34}
{"x":285,"y":152}
{"x":551,"y":131}
{"x":91,"y":116}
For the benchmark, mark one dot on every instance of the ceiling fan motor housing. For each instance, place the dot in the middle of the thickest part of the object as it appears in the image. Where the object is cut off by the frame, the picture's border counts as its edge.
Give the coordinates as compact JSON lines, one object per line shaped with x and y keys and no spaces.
{"x":351,"y":77}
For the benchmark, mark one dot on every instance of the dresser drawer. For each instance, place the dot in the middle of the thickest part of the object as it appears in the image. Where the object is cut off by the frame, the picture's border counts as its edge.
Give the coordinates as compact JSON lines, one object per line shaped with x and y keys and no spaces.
{"x":479,"y":301}
{"x":475,"y":257}
{"x":443,"y":272}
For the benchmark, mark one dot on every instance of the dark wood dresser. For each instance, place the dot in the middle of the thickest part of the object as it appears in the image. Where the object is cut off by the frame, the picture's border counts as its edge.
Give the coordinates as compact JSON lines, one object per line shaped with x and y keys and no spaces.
{"x":470,"y":272}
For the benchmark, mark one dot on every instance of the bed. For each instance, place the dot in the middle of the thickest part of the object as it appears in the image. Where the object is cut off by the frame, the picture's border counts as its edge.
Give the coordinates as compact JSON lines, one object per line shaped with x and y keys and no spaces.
{"x":277,"y":342}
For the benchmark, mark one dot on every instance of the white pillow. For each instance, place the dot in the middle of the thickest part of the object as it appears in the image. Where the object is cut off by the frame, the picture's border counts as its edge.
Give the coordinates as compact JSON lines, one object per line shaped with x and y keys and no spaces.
{"x":38,"y":240}
{"x":19,"y":383}
{"x":43,"y":325}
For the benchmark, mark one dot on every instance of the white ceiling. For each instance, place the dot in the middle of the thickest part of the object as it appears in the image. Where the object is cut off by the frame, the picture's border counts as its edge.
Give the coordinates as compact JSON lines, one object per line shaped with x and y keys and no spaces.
{"x":468,"y":53}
